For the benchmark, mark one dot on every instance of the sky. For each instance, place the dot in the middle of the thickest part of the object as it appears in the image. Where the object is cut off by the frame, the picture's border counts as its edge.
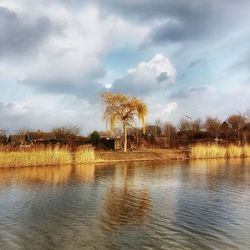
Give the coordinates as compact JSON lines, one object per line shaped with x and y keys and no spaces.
{"x":181,"y":57}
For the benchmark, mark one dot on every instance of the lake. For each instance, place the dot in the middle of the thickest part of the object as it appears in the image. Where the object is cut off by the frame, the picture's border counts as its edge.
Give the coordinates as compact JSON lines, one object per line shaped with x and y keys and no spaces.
{"x":147,"y":205}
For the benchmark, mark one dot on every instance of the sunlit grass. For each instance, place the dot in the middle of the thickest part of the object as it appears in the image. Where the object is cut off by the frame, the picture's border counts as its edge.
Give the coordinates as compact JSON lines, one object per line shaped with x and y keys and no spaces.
{"x":44,"y":156}
{"x":85,"y":154}
{"x":234,"y":151}
{"x":202,"y":151}
{"x":35,"y":156}
{"x":246,"y":151}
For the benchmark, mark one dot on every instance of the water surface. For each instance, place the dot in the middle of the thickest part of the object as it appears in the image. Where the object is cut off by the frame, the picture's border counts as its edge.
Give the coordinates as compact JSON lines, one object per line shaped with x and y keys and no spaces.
{"x":179,"y":205}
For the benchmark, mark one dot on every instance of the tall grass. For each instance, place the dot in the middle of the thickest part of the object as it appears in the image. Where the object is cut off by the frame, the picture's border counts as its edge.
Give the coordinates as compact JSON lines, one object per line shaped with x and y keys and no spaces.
{"x":234,"y":151}
{"x":246,"y":151}
{"x":44,"y":156}
{"x":35,"y":156}
{"x":202,"y":151}
{"x":85,"y":154}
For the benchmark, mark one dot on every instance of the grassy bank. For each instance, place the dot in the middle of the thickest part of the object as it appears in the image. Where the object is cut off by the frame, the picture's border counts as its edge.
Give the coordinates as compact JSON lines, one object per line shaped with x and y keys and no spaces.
{"x":143,"y":155}
{"x":44,"y":156}
{"x":37,"y":156}
{"x":201,"y":151}
{"x":85,"y":154}
{"x":57,"y":156}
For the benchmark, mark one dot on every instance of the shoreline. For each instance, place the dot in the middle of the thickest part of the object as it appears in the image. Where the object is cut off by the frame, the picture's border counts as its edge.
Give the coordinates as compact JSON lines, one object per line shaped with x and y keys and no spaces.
{"x":87,"y":155}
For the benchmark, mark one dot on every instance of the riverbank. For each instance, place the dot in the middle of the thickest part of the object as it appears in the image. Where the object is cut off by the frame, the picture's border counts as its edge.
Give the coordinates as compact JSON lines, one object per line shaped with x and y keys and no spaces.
{"x":141,"y":155}
{"x":57,"y":156}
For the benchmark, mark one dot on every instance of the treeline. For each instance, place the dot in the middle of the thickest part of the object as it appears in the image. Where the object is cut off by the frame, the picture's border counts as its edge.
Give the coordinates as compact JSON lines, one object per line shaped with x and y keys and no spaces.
{"x":235,"y":129}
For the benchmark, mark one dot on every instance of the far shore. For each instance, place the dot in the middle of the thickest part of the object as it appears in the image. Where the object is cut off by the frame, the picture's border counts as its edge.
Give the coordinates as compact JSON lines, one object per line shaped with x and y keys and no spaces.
{"x":59,"y":156}
{"x":141,"y":155}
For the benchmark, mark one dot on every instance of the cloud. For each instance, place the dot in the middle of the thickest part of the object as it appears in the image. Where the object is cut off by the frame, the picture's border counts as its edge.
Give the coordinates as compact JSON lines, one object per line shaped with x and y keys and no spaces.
{"x":66,"y":74}
{"x":71,"y":59}
{"x":147,"y":78}
{"x":13,"y":108}
{"x":36,"y":114}
{"x":20,"y":36}
{"x":163,"y":112}
{"x":242,"y":64}
{"x":177,"y":21}
{"x":192,"y":91}
{"x":56,"y":55}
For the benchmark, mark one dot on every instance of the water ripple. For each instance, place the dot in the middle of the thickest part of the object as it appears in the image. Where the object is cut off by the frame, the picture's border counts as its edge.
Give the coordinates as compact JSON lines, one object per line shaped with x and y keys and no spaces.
{"x":194,"y":205}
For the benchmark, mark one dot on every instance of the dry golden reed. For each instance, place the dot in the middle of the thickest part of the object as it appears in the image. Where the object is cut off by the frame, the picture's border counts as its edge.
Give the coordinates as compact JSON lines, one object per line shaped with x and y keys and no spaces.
{"x":203,"y":151}
{"x":34,"y":156}
{"x":85,"y":154}
{"x":234,"y":151}
{"x":44,"y":156}
{"x":246,"y":151}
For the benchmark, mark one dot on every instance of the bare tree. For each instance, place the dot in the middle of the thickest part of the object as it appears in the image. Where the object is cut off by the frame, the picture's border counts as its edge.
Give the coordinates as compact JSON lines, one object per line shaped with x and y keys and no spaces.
{"x":196,"y":126}
{"x":236,"y":124}
{"x":184,"y":126}
{"x":22,"y":131}
{"x":66,"y":132}
{"x":213,"y":126}
{"x":170,"y":132}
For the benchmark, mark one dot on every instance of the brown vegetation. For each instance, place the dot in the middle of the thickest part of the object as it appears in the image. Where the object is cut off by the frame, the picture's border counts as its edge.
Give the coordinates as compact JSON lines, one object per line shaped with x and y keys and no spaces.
{"x":143,"y":155}
{"x":85,"y":154}
{"x":44,"y":156}
{"x":203,"y":151}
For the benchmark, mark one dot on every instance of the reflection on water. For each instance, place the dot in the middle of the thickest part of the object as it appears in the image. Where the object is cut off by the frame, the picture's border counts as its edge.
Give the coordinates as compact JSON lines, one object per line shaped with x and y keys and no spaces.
{"x":179,"y":205}
{"x":124,"y":204}
{"x":49,"y":175}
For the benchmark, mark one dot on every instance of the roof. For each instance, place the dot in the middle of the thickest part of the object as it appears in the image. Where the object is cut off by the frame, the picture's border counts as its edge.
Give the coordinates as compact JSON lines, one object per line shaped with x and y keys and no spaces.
{"x":16,"y":138}
{"x":40,"y":136}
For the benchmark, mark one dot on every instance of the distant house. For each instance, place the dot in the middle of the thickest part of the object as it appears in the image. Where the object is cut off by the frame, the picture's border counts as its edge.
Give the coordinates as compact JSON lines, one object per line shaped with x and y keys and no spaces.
{"x":111,"y":142}
{"x":40,"y":137}
{"x":17,"y":140}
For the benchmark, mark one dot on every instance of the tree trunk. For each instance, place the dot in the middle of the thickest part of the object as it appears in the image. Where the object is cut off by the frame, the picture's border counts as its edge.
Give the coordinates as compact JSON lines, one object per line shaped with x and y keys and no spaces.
{"x":125,"y":138}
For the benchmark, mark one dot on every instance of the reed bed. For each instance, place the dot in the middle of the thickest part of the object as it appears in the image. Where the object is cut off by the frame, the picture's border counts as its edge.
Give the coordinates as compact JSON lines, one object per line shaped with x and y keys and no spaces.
{"x":234,"y":151}
{"x":202,"y":151}
{"x":85,"y":154}
{"x":246,"y":151}
{"x":34,"y":156}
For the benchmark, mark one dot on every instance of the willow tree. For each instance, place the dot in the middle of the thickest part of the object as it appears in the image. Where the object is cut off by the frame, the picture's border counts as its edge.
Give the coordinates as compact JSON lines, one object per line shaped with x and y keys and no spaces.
{"x":123,"y":110}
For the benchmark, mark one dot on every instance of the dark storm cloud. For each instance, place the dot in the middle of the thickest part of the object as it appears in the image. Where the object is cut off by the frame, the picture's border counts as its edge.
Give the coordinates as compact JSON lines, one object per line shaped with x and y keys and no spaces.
{"x":177,"y":21}
{"x":18,"y":36}
{"x":144,"y":10}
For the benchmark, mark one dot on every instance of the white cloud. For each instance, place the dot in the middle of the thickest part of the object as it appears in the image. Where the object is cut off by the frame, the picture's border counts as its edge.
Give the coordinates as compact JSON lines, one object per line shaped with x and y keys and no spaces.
{"x":65,"y":64}
{"x":164,"y":112}
{"x":38,"y":114}
{"x":148,"y":77}
{"x":70,"y":59}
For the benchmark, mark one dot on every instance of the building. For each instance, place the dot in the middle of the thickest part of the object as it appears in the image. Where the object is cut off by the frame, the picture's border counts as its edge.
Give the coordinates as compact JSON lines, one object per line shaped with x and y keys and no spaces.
{"x":40,"y":137}
{"x":17,"y":140}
